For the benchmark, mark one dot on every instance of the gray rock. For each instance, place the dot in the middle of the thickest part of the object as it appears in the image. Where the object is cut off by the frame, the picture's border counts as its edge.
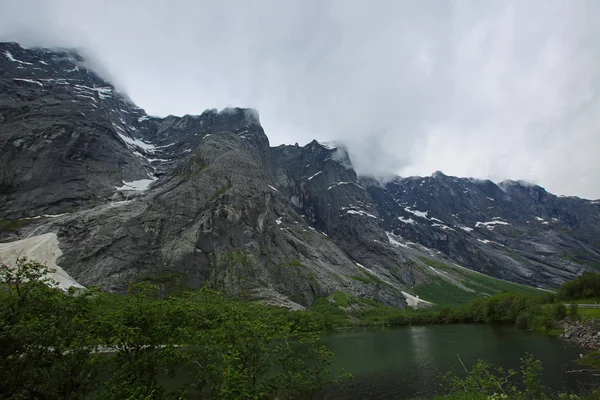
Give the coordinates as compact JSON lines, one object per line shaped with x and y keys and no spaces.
{"x":204,"y":200}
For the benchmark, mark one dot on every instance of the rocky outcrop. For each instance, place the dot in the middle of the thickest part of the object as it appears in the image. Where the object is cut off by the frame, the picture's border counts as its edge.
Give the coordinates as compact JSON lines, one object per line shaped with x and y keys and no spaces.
{"x":512,"y":230}
{"x":582,"y":333}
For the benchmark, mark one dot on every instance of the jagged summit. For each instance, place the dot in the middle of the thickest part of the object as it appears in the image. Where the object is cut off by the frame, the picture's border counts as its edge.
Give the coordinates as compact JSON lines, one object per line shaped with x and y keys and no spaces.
{"x":204,"y":199}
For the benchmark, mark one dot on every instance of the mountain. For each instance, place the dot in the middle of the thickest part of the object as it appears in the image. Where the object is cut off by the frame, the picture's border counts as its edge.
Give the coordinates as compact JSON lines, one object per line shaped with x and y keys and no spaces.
{"x":116,"y":195}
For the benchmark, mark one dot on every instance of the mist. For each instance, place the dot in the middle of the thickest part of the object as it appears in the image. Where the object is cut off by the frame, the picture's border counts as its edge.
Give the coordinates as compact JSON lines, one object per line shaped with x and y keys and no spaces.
{"x":498,"y":90}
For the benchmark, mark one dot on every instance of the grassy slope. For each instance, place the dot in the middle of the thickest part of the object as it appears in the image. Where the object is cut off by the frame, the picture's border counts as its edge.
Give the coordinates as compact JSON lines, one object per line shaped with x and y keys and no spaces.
{"x":445,"y":294}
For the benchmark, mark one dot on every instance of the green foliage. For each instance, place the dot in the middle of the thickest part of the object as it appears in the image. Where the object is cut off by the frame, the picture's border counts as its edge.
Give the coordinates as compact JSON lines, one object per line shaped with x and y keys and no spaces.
{"x":362,"y":278}
{"x":236,"y":257}
{"x":484,"y":379}
{"x":343,"y":299}
{"x":573,"y":312}
{"x":583,"y":287}
{"x":488,"y":284}
{"x":86,"y":344}
{"x":47,"y":349}
{"x":444,"y":294}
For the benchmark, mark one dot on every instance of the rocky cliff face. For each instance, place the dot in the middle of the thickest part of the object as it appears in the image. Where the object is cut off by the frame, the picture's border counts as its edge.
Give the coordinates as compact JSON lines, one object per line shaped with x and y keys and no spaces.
{"x":512,"y":230}
{"x":203,"y":199}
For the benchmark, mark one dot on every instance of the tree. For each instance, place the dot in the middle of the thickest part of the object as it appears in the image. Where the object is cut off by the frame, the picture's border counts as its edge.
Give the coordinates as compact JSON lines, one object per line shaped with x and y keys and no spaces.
{"x":573,"y":311}
{"x":143,"y":342}
{"x":46,"y":347}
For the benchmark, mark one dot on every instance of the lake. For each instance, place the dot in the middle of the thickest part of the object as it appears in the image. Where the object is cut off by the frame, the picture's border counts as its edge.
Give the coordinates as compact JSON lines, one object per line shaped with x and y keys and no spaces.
{"x":399,"y":362}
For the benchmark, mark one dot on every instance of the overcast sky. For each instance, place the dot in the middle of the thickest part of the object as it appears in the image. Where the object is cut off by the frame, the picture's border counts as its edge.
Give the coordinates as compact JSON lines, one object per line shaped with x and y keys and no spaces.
{"x":491,"y":89}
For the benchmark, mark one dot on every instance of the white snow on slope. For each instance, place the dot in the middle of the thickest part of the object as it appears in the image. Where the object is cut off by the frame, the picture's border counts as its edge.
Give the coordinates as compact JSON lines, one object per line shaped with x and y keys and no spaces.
{"x":166,"y":145}
{"x":278,"y":220}
{"x":339,"y":183}
{"x":318,"y":173}
{"x":135,"y":142}
{"x":490,"y":224}
{"x":485,"y":241}
{"x":157,"y":159}
{"x":465,"y":228}
{"x":43,"y":249}
{"x":139,"y":185}
{"x":394,"y":242}
{"x":29,"y":80}
{"x":420,"y":214}
{"x":274,"y":188}
{"x":406,"y":221}
{"x":103,"y":92}
{"x":444,"y":227}
{"x":46,"y":216}
{"x":11,"y":58}
{"x":360,"y":212}
{"x":415,"y":301}
{"x":539,"y":218}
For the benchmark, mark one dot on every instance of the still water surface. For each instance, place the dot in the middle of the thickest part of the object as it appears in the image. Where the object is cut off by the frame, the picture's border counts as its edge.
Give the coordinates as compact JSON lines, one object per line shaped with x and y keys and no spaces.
{"x":404,"y":362}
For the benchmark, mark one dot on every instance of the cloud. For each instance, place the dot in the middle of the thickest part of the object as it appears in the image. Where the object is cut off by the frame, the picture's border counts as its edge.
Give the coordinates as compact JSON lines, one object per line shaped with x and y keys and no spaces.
{"x":474,"y":88}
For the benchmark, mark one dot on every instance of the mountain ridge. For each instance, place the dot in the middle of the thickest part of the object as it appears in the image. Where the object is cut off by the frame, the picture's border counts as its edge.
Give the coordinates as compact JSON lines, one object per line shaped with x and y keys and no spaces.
{"x":204,"y":199}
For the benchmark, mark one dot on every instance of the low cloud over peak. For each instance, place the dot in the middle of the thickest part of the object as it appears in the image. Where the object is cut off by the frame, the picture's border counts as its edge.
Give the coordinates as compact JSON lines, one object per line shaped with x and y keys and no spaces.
{"x":473,"y":88}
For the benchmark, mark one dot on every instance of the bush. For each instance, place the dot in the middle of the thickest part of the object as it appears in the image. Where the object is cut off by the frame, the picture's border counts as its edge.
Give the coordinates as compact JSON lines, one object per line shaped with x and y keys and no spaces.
{"x":484,"y":379}
{"x":230,"y":349}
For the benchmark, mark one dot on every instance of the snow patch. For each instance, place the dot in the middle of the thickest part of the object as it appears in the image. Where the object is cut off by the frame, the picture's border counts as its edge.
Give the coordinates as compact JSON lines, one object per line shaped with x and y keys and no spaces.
{"x":465,"y":228}
{"x":29,"y":80}
{"x":339,"y":183}
{"x":166,"y":145}
{"x":420,"y":214}
{"x":414,"y":301}
{"x":360,"y":212}
{"x":394,"y":242}
{"x":139,"y":185}
{"x":406,"y":221}
{"x":135,"y":142}
{"x":274,"y":188}
{"x":491,"y":224}
{"x":157,"y":159}
{"x":47,"y":216}
{"x":11,"y":58}
{"x":318,"y":173}
{"x":539,"y":218}
{"x":444,"y":227}
{"x":278,"y":221}
{"x":43,"y":249}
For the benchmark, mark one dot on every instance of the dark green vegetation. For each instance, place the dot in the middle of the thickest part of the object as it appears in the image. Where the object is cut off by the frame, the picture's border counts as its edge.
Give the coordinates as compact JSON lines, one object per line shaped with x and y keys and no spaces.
{"x":540,"y":313}
{"x":487,"y":382}
{"x":87,"y":344}
{"x":525,"y":308}
{"x":587,"y":286}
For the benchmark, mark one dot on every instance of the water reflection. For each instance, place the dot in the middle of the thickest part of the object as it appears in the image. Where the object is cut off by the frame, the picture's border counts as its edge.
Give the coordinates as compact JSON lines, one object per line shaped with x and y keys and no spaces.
{"x":389,"y":363}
